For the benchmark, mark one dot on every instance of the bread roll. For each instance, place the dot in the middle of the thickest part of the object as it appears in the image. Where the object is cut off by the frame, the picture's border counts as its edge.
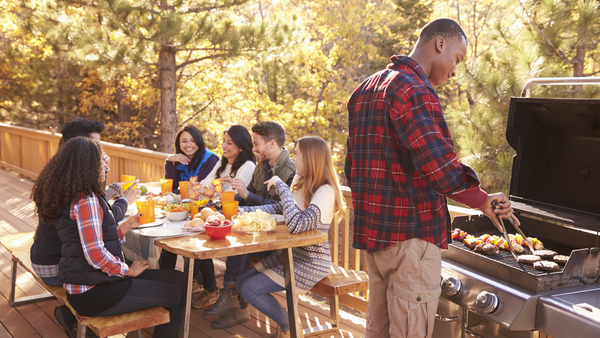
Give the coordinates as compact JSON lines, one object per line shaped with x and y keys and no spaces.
{"x":196,"y":222}
{"x":206,"y":212}
{"x":220,"y":216}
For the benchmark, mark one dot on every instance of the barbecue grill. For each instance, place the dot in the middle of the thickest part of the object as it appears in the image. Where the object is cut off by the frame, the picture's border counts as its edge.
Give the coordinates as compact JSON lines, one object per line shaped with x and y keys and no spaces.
{"x":554,"y":191}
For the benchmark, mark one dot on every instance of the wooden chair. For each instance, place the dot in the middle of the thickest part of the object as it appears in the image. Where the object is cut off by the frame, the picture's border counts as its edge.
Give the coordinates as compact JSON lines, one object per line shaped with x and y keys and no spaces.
{"x":19,"y":245}
{"x":340,"y":281}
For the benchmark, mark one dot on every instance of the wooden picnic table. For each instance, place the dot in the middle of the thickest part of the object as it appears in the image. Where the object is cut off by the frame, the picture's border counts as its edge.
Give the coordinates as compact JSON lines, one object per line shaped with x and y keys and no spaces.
{"x":200,"y":246}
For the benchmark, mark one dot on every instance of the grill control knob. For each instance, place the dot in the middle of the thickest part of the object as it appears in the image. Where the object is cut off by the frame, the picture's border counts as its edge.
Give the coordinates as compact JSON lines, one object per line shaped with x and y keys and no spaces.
{"x":451,"y":286}
{"x":487,"y":302}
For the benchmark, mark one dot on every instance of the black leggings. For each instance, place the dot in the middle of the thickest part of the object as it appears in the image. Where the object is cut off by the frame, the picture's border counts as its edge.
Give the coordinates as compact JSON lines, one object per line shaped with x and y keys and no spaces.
{"x":204,"y":269}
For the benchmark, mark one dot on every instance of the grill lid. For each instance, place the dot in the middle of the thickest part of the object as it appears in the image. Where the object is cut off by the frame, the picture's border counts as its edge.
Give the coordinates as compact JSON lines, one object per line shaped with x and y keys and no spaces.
{"x":556,"y":171}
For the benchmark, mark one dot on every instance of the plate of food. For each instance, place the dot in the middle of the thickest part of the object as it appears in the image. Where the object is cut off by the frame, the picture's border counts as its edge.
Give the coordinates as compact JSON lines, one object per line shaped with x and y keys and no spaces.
{"x":194,"y":225}
{"x":254,"y":222}
{"x":279,"y":219}
{"x":162,"y":232}
{"x":156,"y":223}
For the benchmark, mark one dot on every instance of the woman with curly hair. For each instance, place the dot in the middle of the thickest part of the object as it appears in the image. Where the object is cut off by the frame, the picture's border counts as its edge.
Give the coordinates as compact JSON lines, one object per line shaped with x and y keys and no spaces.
{"x":312,"y":202}
{"x":68,"y":194}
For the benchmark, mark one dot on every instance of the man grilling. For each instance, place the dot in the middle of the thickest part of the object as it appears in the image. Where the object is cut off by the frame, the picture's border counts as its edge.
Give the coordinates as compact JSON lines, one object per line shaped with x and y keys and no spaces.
{"x":401,"y":166}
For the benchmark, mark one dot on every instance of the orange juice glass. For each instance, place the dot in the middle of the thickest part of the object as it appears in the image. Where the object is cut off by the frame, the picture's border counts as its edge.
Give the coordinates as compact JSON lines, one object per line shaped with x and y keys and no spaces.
{"x":229,"y":209}
{"x":227,"y":196}
{"x":146,"y":208}
{"x":127,"y":178}
{"x":166,"y":185}
{"x":183,"y":189}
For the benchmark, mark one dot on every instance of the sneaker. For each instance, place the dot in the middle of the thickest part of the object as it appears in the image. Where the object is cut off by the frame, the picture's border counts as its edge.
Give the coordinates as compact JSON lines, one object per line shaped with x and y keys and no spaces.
{"x":206,"y":298}
{"x":224,"y":303}
{"x":281,"y":333}
{"x":231,"y":319}
{"x":67,"y":320}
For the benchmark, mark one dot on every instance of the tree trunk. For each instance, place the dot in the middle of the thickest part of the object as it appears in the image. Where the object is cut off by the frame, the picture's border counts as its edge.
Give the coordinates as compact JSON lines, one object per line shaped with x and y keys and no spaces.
{"x":168,"y":99}
{"x":578,"y":68}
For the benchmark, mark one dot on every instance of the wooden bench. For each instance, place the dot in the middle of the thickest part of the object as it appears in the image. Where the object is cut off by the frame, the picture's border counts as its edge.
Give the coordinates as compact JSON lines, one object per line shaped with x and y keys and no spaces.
{"x":339,"y":282}
{"x":19,"y":245}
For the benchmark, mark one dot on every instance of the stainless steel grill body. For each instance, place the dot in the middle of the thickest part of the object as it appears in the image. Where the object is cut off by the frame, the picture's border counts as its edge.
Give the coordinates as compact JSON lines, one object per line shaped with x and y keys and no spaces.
{"x":554,"y":190}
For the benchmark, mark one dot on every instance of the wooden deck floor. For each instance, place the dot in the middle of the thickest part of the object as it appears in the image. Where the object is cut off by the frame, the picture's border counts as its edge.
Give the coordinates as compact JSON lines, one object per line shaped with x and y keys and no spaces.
{"x":37,"y":319}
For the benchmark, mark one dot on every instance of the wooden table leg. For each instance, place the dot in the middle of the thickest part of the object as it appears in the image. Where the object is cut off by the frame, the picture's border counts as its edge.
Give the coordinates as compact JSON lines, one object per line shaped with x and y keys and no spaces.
{"x":292,"y":300}
{"x":188,"y":271}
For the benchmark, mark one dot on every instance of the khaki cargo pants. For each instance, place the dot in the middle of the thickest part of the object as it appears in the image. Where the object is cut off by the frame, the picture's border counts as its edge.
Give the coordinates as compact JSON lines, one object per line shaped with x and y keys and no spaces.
{"x":404,"y":290}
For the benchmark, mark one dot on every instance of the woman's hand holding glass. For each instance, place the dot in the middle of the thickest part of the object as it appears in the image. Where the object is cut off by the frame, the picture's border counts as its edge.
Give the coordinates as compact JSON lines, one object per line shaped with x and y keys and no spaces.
{"x":237,"y":184}
{"x":181,"y":158}
{"x":137,"y":267}
{"x":132,"y":223}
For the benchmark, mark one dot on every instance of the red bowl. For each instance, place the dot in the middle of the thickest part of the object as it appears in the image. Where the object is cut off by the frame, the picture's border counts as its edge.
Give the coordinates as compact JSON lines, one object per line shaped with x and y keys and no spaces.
{"x":219,"y":232}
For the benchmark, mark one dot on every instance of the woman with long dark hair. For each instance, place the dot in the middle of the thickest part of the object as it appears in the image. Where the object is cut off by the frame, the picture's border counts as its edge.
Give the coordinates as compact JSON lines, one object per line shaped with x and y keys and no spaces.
{"x":191,"y":158}
{"x":68,"y":194}
{"x":238,"y":160}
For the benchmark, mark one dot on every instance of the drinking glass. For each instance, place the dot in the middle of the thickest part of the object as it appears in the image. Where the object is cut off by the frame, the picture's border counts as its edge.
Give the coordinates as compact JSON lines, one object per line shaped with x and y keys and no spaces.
{"x":166,"y":185}
{"x":227,"y":196}
{"x":183,"y":189}
{"x":127,"y":178}
{"x":230,"y":208}
{"x":146,"y":208}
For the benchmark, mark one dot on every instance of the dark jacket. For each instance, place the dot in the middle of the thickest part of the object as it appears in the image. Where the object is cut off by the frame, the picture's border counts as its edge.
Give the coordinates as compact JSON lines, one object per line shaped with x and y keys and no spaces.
{"x":73,"y":267}
{"x":284,"y":167}
{"x":47,"y":245}
{"x":204,"y":169}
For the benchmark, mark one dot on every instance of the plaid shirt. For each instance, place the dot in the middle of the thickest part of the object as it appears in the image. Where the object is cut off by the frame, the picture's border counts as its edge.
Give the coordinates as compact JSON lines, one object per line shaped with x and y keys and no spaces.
{"x":400,"y":160}
{"x":88,"y":215}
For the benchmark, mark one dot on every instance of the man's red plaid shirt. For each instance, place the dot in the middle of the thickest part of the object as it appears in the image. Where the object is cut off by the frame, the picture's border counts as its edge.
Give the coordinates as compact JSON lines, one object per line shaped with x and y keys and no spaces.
{"x":400,"y":161}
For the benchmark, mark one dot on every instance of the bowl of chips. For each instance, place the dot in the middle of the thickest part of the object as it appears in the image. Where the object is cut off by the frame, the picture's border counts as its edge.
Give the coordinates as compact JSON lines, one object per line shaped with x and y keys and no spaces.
{"x":254,"y":222}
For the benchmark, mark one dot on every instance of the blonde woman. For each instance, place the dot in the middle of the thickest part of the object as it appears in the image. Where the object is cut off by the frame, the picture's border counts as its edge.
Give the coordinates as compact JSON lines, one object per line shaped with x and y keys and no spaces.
{"x":312,"y":202}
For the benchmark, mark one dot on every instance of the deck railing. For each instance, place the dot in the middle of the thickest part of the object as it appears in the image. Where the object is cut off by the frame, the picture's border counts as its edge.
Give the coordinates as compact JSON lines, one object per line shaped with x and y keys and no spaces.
{"x":26,"y":151}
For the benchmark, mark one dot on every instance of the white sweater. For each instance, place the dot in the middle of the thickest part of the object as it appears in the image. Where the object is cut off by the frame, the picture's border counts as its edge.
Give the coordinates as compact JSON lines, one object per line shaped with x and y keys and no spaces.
{"x":244,"y":173}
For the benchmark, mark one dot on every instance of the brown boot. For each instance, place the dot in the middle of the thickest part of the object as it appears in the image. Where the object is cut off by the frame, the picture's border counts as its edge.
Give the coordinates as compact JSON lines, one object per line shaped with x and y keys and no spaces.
{"x":281,"y":333}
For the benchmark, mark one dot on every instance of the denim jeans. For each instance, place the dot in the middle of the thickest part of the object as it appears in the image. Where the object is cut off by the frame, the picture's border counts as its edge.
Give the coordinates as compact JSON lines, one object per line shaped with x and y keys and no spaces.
{"x":52,"y":280}
{"x":154,"y":288}
{"x":256,"y":288}
{"x":237,"y":265}
{"x":204,"y":269}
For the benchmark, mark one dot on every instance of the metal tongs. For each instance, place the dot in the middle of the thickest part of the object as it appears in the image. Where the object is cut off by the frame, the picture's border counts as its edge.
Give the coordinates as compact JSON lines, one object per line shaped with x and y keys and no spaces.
{"x":512,"y":251}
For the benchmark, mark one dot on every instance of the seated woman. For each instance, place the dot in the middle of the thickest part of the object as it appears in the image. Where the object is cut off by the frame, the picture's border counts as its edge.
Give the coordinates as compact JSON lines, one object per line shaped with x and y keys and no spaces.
{"x":68,"y":194}
{"x":191,"y":159}
{"x":312,"y":202}
{"x":238,"y":159}
{"x":237,"y":162}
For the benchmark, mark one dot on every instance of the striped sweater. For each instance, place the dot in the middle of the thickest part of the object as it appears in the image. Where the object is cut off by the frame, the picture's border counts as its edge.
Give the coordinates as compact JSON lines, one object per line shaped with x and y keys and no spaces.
{"x":311,"y":263}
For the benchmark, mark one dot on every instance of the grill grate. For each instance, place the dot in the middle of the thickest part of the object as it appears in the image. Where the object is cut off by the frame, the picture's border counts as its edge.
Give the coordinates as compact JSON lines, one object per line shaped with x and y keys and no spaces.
{"x":506,"y":258}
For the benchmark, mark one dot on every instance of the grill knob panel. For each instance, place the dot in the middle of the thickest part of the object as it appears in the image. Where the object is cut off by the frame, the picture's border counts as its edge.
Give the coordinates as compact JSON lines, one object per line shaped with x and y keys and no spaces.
{"x":451,"y":286}
{"x":487,"y":302}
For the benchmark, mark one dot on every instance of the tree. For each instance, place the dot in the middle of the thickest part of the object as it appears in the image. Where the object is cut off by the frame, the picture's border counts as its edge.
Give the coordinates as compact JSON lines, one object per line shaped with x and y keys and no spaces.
{"x":566,"y":31}
{"x":165,"y":37}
